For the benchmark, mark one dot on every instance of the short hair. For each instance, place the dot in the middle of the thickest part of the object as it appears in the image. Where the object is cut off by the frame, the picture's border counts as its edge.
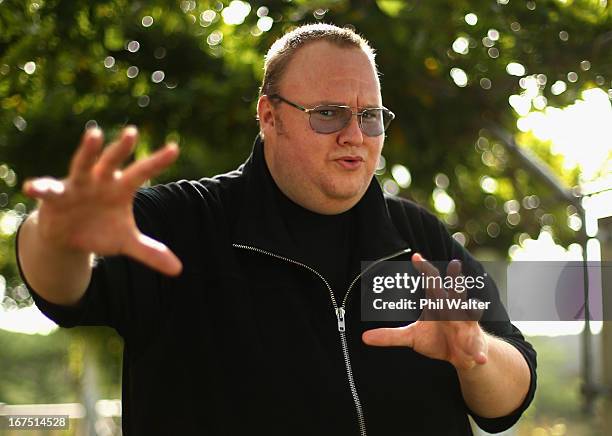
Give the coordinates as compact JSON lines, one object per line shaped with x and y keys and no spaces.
{"x":282,"y":51}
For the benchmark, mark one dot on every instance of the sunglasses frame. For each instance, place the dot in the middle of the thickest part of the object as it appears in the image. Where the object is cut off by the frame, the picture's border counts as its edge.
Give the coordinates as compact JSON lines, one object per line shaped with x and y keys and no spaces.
{"x":359,"y":115}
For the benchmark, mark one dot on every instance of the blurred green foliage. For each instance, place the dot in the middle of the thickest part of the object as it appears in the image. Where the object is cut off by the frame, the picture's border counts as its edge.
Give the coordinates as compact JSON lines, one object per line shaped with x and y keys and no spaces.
{"x":181,"y":70}
{"x":24,"y":380}
{"x":38,"y":369}
{"x":557,"y":408}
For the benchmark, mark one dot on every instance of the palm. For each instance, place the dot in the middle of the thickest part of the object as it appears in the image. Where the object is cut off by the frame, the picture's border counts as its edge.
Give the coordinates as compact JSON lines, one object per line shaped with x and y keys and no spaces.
{"x":457,"y":342}
{"x":91,"y":210}
{"x":88,"y":218}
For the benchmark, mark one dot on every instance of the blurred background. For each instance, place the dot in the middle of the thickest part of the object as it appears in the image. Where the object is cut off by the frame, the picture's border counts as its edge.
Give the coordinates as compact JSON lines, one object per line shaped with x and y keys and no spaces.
{"x":503,"y":129}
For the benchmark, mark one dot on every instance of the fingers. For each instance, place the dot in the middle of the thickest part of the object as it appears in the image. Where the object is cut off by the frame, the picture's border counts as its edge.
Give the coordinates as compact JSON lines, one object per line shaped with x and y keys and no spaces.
{"x":428,"y":270}
{"x":153,"y":254}
{"x":477,"y":348}
{"x":423,"y":266}
{"x":87,"y":153}
{"x":481,"y":358}
{"x":44,"y":188}
{"x":390,"y":337}
{"x":433,"y":293}
{"x":137,"y":173}
{"x":456,"y":306}
{"x":454,"y":270}
{"x":116,"y":153}
{"x":474,"y":313}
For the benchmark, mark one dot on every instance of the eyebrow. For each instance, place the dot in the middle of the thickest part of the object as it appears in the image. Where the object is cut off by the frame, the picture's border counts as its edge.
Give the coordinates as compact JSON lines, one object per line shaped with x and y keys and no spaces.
{"x":336,"y":103}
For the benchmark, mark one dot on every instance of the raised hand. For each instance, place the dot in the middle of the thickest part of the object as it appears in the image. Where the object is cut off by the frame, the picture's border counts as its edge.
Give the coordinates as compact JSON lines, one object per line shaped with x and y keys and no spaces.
{"x":438,"y":335}
{"x":90,"y":211}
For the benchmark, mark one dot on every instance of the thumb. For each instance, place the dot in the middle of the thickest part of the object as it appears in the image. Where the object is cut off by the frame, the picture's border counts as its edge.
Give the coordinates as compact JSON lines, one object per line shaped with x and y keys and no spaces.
{"x":154,"y":254}
{"x":390,"y":337}
{"x":43,"y":188}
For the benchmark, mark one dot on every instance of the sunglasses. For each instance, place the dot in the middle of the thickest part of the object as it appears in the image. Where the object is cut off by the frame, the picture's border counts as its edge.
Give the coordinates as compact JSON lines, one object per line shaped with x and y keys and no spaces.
{"x":331,"y":118}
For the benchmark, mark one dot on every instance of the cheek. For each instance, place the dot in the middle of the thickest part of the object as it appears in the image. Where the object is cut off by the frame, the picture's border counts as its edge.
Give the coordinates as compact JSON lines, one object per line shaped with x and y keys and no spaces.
{"x":375,"y":152}
{"x":299,"y":164}
{"x":310,"y":154}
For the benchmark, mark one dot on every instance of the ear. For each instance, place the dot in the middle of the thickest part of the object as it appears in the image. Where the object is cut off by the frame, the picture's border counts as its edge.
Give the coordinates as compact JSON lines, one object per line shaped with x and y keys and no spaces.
{"x":265,"y":115}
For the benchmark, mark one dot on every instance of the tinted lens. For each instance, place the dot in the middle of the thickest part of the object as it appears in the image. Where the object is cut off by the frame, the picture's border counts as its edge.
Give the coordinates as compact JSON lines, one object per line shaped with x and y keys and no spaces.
{"x":372,"y":122}
{"x":329,"y":119}
{"x":375,"y":121}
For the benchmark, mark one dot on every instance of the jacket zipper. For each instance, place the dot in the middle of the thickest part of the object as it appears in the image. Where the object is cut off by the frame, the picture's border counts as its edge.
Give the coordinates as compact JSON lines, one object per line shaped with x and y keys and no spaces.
{"x":340,"y":315}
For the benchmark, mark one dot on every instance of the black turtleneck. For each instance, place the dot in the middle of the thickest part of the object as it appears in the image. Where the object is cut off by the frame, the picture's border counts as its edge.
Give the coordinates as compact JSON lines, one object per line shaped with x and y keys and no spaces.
{"x":324,"y":241}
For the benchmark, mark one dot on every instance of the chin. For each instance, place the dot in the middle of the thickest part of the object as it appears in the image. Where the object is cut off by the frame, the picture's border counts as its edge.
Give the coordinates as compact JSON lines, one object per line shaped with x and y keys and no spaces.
{"x":347,"y":193}
{"x":346,"y":187}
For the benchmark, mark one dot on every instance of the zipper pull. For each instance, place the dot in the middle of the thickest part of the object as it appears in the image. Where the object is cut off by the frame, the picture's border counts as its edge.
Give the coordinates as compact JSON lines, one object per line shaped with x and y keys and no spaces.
{"x":340,"y":316}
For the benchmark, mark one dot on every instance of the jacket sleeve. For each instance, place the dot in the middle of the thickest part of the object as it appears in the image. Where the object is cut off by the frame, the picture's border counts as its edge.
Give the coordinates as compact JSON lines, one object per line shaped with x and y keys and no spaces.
{"x":123,"y":293}
{"x":429,"y":234}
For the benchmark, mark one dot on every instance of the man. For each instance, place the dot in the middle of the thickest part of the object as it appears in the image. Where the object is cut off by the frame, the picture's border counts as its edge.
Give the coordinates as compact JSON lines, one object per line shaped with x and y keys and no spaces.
{"x":256,"y":329}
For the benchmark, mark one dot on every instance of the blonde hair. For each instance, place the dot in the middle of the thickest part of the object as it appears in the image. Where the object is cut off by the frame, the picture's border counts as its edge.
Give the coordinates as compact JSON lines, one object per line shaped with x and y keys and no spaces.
{"x":282,"y":51}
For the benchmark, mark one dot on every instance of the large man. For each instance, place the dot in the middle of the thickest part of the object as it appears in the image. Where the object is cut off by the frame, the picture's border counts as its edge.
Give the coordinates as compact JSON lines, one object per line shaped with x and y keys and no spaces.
{"x":256,"y":329}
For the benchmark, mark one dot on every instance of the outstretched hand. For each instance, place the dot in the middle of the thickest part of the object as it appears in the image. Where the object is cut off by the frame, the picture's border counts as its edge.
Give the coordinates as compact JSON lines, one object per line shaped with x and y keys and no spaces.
{"x":462,"y":343}
{"x":91,"y":209}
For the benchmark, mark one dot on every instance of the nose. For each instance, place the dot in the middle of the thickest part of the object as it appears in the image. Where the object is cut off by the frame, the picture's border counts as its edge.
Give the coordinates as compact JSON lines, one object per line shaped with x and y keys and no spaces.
{"x":351,"y":134}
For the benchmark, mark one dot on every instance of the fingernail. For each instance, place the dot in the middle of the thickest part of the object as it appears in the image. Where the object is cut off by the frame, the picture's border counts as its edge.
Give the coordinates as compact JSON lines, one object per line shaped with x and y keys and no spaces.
{"x":130,"y":130}
{"x":44,"y":185}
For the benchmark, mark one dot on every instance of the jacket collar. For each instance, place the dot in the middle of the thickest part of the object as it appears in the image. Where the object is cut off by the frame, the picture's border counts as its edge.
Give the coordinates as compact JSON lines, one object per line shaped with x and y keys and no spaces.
{"x":260,"y":224}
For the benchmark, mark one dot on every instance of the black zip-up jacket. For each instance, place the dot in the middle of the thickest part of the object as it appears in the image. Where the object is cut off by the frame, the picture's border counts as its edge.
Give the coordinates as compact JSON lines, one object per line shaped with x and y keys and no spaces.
{"x":246,"y":340}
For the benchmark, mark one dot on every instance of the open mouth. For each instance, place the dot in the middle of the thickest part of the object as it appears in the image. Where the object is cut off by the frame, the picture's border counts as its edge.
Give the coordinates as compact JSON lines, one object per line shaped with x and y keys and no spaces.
{"x":350,"y":162}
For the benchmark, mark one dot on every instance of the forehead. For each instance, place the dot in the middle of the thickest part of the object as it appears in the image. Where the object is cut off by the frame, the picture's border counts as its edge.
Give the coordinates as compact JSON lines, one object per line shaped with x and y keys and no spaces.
{"x":324,"y":72}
